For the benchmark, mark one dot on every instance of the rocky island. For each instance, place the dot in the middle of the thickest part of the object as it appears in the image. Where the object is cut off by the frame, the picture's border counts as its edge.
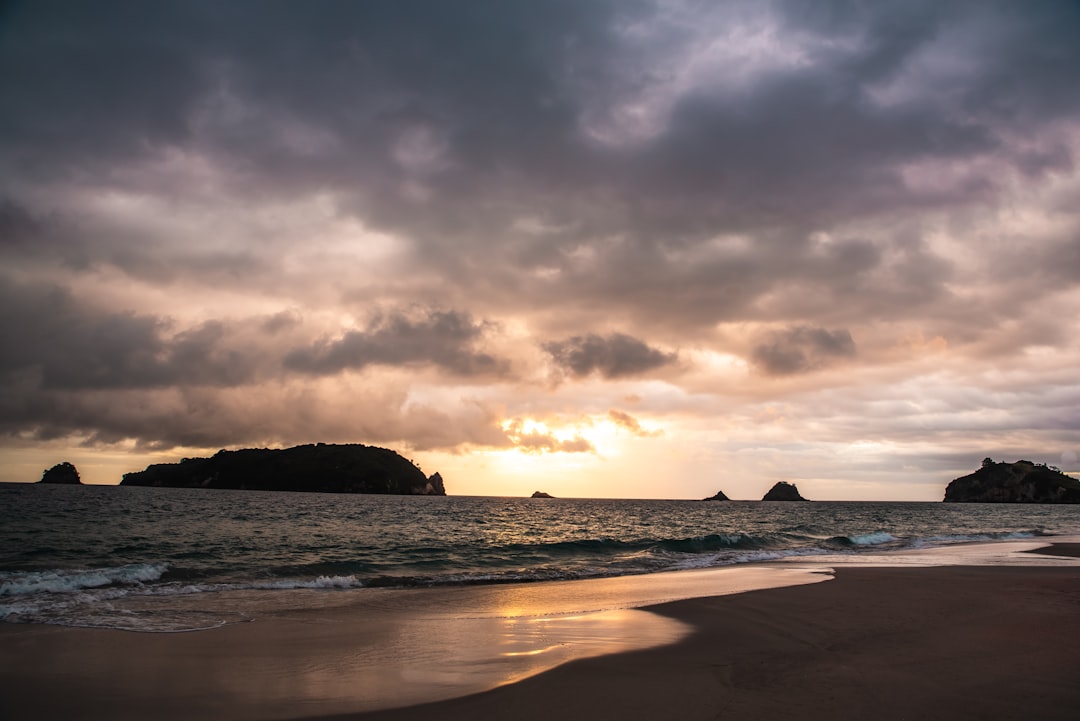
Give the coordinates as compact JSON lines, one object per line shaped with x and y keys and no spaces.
{"x":320,"y":468}
{"x":541,"y":494}
{"x":62,"y":473}
{"x":718,"y":496}
{"x":1019,"y":482}
{"x":783,"y":491}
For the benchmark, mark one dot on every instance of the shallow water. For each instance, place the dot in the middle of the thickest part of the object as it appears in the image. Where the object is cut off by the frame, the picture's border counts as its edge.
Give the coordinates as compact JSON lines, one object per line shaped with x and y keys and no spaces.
{"x":150,"y":559}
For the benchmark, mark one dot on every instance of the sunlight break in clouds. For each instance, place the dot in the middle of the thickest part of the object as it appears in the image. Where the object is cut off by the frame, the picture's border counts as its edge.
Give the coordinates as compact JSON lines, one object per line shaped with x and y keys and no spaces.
{"x":604,"y":249}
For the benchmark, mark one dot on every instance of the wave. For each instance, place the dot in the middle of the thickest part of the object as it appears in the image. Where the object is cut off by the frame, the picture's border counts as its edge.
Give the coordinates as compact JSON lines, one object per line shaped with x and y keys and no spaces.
{"x":87,"y":596}
{"x":877,"y":538}
{"x":694,"y":544}
{"x":286,"y":584}
{"x":582,"y":558}
{"x":950,"y":539}
{"x":21,"y":583}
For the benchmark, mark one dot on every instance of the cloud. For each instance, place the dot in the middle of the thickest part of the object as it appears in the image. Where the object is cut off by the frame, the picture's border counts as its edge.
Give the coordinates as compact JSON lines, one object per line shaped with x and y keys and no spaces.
{"x":802,"y":349}
{"x":614,"y":356}
{"x":628,"y":422}
{"x":531,"y":439}
{"x":212,"y":215}
{"x":444,"y":339}
{"x":285,"y":412}
{"x":70,"y":345}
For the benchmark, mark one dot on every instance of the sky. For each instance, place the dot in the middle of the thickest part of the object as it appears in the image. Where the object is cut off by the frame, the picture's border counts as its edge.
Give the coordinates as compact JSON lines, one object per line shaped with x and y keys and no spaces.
{"x":601,"y":249}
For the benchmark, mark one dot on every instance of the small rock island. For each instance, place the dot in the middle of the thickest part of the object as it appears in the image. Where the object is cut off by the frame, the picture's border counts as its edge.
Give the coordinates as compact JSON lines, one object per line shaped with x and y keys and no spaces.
{"x":541,"y":494}
{"x":718,"y":496}
{"x":62,"y":473}
{"x":319,"y":468}
{"x":783,"y":491}
{"x":1019,"y":482}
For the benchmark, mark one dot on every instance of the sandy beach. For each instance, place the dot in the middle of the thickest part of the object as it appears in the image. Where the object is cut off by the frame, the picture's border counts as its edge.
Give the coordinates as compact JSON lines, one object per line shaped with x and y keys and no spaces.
{"x":883,"y":643}
{"x":927,"y":643}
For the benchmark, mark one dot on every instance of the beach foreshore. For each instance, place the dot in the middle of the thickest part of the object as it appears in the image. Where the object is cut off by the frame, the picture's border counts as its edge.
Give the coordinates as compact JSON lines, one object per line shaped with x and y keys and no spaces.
{"x":909,"y":641}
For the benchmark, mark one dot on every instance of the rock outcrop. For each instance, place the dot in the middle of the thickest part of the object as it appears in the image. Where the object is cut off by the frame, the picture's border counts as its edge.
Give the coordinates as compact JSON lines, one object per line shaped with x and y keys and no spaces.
{"x":62,"y":473}
{"x":783,"y":491}
{"x":718,"y":496}
{"x":1019,"y":482}
{"x":541,"y":494}
{"x":321,"y":468}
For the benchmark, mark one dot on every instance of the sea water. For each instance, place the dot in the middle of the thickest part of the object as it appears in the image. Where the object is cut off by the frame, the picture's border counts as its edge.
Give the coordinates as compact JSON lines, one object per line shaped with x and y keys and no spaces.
{"x":143,"y":558}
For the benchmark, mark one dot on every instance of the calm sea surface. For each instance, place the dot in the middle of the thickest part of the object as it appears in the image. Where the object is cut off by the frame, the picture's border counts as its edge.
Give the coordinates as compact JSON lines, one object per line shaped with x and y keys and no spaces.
{"x":71,"y":555}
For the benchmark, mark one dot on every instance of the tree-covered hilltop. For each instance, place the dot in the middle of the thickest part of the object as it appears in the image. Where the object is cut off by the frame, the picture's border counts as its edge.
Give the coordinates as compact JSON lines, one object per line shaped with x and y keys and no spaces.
{"x":322,"y":468}
{"x":1019,"y":482}
{"x":64,"y":473}
{"x":783,"y":491}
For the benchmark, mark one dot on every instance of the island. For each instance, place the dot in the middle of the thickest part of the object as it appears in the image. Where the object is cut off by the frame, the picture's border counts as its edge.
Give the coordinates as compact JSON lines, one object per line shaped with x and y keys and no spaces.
{"x":541,"y":494}
{"x":783,"y":491}
{"x":318,"y":468}
{"x":718,"y":496}
{"x":62,"y":473}
{"x":1019,"y":482}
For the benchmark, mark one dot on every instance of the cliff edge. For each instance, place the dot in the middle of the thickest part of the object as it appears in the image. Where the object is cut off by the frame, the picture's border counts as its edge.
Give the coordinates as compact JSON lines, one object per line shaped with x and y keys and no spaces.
{"x":321,"y":468}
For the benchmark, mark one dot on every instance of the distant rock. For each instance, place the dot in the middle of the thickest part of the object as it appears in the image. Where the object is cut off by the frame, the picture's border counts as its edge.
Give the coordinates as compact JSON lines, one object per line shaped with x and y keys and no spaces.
{"x":63,"y":473}
{"x":541,"y":494}
{"x":322,"y":468}
{"x":1019,"y":482}
{"x":719,"y":496}
{"x":434,"y":486}
{"x":783,"y":491}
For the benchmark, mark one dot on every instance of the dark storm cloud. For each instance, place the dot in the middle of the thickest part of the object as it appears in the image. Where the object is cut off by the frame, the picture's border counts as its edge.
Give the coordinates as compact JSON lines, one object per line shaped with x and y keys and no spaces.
{"x":449,"y":124}
{"x":71,"y":345}
{"x":480,"y":105}
{"x":614,"y":356}
{"x":681,"y":171}
{"x":801,"y":349}
{"x":445,"y":339}
{"x":68,"y":345}
{"x":18,"y":226}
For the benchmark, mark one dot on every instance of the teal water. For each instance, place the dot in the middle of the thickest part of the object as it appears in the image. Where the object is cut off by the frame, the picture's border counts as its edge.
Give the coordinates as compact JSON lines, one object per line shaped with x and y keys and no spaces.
{"x":68,"y":552}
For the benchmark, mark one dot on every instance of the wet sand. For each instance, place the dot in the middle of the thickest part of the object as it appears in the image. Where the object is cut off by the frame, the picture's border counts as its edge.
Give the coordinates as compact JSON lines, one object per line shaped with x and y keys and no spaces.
{"x":875,"y":643}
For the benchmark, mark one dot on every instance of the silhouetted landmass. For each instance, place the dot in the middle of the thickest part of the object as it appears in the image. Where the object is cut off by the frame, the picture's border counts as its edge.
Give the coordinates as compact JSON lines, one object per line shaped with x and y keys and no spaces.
{"x":783,"y":491}
{"x":1019,"y":482}
{"x":541,"y":494}
{"x":322,"y":468}
{"x":64,"y":473}
{"x":718,"y":496}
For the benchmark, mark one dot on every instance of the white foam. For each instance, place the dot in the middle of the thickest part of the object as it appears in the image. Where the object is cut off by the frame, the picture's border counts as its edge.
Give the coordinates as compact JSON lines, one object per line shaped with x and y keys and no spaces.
{"x":22,"y":583}
{"x":320,"y":582}
{"x":719,"y":560}
{"x":971,"y":538}
{"x":872,"y":539}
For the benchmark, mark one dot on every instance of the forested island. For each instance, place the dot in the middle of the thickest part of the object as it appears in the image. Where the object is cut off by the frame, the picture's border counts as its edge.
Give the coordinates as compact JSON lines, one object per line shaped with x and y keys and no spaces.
{"x":320,"y":468}
{"x":1019,"y":482}
{"x":783,"y":491}
{"x":63,"y":473}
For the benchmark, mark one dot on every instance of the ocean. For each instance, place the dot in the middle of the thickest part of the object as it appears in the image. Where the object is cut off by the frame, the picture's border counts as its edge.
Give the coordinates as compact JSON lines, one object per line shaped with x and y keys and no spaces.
{"x":122,"y":557}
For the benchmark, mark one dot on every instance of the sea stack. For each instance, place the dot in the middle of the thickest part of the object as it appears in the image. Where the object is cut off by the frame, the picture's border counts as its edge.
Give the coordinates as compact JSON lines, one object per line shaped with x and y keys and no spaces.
{"x":62,"y":473}
{"x":1019,"y":482}
{"x":718,"y":496}
{"x":541,"y":494}
{"x":783,"y":491}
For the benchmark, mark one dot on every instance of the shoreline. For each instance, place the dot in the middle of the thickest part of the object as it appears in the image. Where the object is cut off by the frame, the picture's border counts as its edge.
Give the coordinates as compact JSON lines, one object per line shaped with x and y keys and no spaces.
{"x":892,"y":633}
{"x":941,"y":642}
